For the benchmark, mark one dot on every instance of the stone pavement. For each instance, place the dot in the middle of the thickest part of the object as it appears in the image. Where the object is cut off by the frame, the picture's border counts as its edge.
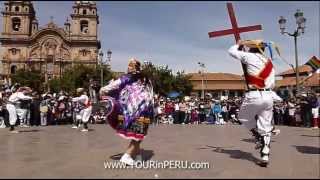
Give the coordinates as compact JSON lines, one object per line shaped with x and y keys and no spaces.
{"x":62,"y":152}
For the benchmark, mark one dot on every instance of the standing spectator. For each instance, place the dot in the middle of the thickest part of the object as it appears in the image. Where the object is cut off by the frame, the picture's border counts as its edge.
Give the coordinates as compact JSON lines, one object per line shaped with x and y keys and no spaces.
{"x":315,"y":110}
{"x":194,"y":116}
{"x":160,"y":110}
{"x":306,"y":111}
{"x":182,"y":113}
{"x":282,"y":112}
{"x":92,"y":91}
{"x":169,"y":107}
{"x":207,"y":110}
{"x":202,"y":113}
{"x":176,"y":112}
{"x":276,"y":114}
{"x":292,"y":109}
{"x":2,"y":114}
{"x":44,"y":108}
{"x":187,"y":119}
{"x":35,"y":110}
{"x":217,"y":112}
{"x":224,"y":112}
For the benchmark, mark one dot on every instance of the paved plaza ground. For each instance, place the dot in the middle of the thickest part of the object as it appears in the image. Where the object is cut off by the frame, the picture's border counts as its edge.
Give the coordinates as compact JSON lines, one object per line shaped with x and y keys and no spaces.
{"x":59,"y":151}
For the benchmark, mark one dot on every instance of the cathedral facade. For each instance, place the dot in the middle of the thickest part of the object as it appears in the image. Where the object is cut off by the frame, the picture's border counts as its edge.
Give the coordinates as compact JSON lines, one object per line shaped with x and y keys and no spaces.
{"x":50,"y":49}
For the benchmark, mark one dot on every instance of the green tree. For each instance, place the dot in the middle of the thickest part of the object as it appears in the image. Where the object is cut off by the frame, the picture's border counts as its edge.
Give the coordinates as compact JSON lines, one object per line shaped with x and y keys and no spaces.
{"x":30,"y":78}
{"x":79,"y":76}
{"x":182,"y":83}
{"x":164,"y":81}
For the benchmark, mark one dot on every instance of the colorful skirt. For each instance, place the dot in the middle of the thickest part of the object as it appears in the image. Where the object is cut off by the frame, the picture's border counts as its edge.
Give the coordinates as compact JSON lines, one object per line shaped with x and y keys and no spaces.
{"x":136,"y":130}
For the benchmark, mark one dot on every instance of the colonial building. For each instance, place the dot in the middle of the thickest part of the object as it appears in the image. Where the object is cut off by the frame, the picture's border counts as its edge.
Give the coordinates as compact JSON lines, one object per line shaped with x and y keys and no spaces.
{"x":218,"y":84}
{"x":50,"y":49}
{"x":308,"y":80}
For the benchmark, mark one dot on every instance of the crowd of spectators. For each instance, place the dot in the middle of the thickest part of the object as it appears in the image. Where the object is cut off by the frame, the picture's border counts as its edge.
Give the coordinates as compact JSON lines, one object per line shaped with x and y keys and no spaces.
{"x":44,"y":109}
{"x":58,"y":108}
{"x":192,"y":110}
{"x":301,"y":111}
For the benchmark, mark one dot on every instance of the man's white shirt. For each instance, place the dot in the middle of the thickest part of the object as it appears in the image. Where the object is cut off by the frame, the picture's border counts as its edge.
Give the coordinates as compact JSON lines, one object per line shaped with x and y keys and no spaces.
{"x":255,"y":64}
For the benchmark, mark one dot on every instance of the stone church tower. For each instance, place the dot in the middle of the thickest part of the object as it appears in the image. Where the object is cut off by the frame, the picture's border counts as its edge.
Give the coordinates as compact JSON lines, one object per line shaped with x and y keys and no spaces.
{"x":50,"y":49}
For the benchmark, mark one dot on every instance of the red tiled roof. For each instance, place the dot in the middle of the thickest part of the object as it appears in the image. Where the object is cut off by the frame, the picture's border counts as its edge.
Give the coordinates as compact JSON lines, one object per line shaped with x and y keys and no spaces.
{"x":217,"y":81}
{"x":302,"y":69}
{"x":288,"y":81}
{"x":227,"y":85}
{"x":313,"y":80}
{"x":216,"y":77}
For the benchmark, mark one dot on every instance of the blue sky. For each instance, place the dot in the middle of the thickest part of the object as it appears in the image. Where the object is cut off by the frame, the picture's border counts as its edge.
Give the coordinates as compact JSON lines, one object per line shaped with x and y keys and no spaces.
{"x":176,"y":33}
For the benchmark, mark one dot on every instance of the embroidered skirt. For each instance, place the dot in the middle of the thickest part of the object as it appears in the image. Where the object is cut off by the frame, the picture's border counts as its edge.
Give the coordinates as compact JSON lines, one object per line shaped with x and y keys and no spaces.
{"x":136,"y":130}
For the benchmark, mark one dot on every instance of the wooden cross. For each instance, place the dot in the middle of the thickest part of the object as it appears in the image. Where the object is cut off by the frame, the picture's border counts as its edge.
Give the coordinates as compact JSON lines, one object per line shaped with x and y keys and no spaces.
{"x":235,"y":31}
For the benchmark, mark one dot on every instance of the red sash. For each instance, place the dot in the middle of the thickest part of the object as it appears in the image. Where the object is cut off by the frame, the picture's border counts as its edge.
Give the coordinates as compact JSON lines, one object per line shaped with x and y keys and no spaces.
{"x":259,"y":80}
{"x":88,"y":104}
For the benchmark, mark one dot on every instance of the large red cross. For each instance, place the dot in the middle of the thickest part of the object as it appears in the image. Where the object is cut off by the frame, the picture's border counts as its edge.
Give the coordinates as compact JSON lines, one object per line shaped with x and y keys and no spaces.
{"x":235,"y":29}
{"x":236,"y":32}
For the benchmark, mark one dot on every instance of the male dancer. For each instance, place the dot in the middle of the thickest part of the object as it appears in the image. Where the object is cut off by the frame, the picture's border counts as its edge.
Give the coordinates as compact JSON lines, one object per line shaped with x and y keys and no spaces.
{"x":86,"y":112}
{"x":256,"y":111}
{"x":12,"y":102}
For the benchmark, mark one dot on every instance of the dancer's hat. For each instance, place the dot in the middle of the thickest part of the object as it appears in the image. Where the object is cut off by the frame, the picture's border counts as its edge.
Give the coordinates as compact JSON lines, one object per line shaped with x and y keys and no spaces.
{"x":134,"y":66}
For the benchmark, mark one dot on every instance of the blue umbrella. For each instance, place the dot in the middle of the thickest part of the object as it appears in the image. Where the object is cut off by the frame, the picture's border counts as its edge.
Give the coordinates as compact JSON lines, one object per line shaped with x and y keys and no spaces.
{"x":173,"y":94}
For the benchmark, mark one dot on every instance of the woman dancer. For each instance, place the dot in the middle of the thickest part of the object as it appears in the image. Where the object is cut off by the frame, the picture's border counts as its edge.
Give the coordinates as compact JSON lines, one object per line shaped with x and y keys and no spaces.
{"x":131,"y":108}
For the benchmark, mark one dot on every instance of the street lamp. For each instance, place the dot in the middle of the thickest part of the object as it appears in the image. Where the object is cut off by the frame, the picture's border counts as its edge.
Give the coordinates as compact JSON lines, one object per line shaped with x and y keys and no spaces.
{"x":101,"y":70}
{"x":202,"y":66}
{"x":109,"y":52}
{"x":300,"y":21}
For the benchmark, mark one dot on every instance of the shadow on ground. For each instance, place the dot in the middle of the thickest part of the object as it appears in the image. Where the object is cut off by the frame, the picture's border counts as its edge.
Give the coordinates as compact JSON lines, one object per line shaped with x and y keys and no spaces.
{"x":146,"y":155}
{"x":235,"y":154}
{"x":308,"y":149}
{"x":251,"y":140}
{"x":33,"y":130}
{"x":309,"y":136}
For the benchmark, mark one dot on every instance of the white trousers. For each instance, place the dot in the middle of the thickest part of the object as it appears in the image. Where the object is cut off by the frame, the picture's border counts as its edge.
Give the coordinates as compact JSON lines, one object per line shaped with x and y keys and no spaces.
{"x":86,"y":113}
{"x":12,"y":114}
{"x":22,"y":114}
{"x":257,"y":111}
{"x":315,"y":112}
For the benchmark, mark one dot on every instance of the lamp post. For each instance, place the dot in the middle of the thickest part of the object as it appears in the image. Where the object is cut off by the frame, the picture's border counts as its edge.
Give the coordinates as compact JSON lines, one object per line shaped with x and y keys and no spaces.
{"x":101,"y":70}
{"x":109,"y":53}
{"x":202,"y":66}
{"x":300,"y":21}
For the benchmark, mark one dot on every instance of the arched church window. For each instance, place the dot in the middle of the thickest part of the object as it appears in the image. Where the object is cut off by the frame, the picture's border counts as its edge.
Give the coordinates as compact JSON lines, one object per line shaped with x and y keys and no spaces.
{"x":17,"y":8}
{"x":93,"y":12}
{"x":26,"y":9}
{"x":84,"y":26}
{"x":16,"y":24}
{"x":7,"y":8}
{"x":84,"y":12}
{"x":75,"y":11}
{"x":14,"y":51}
{"x":13,"y":69}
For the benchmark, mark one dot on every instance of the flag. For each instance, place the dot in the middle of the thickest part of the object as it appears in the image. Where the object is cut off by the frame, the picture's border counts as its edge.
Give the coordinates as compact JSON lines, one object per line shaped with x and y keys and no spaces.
{"x":314,"y":63}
